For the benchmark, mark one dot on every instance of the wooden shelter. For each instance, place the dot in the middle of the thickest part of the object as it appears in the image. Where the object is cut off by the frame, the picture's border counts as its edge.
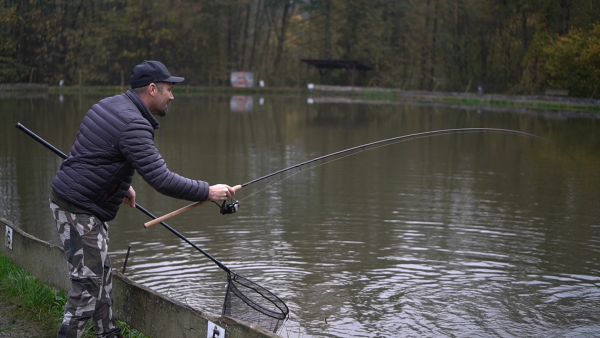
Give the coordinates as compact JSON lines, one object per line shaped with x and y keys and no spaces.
{"x":324,"y":65}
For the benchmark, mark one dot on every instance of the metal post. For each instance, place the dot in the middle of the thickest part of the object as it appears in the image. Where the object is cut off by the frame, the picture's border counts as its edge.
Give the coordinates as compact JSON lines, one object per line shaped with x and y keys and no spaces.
{"x":307,"y":73}
{"x":126,"y":259}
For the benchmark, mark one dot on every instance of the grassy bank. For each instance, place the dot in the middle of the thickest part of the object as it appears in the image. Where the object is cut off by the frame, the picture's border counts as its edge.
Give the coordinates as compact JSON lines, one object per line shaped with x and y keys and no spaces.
{"x":475,"y":100}
{"x":182,"y":90}
{"x":40,"y":305}
{"x":537,"y":103}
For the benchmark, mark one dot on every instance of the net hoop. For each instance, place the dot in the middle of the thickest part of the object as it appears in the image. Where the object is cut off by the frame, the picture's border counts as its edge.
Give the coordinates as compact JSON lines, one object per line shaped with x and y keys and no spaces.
{"x":252,"y":303}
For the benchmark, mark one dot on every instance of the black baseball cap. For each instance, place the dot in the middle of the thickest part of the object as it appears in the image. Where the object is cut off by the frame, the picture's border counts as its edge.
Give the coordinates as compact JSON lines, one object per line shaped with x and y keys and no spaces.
{"x":149,"y":72}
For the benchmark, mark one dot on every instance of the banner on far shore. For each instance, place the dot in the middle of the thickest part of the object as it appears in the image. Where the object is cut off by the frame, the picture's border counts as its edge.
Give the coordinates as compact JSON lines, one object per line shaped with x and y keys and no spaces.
{"x":242,"y":79}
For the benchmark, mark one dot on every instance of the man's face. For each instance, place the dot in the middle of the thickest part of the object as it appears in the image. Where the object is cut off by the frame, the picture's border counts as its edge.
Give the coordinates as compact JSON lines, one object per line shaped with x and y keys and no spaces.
{"x":161,"y":101}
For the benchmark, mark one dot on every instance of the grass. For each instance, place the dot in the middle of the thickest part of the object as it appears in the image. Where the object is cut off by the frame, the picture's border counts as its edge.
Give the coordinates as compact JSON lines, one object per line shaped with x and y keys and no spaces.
{"x":540,"y":105}
{"x":185,"y":90}
{"x":180,"y":90}
{"x":440,"y":97}
{"x":39,"y":304}
{"x":375,"y":95}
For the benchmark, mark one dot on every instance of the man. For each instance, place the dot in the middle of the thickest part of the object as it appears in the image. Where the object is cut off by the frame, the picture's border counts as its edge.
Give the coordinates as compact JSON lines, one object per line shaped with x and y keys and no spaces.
{"x":115,"y":139}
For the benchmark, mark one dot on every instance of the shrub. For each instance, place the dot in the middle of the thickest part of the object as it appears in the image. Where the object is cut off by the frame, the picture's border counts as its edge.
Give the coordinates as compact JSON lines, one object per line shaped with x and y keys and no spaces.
{"x":573,"y":62}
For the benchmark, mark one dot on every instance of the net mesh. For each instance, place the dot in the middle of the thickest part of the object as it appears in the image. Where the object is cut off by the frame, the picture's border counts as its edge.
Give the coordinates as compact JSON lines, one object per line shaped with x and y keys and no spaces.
{"x":250,"y":302}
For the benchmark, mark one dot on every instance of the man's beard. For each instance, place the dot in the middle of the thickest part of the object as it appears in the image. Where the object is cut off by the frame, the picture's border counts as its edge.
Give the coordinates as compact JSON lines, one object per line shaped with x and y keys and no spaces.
{"x":163,"y":112}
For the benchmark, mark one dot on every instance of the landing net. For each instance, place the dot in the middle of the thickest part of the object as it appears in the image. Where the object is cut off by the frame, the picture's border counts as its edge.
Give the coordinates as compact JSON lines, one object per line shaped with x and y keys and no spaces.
{"x":250,"y":302}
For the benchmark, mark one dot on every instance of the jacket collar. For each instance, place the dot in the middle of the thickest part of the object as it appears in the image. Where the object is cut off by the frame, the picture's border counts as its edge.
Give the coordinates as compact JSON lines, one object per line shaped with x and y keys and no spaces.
{"x":141,"y":106}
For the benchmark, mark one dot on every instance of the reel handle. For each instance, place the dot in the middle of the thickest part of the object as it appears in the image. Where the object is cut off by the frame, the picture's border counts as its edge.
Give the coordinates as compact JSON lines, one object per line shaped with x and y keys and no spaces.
{"x":181,"y":211}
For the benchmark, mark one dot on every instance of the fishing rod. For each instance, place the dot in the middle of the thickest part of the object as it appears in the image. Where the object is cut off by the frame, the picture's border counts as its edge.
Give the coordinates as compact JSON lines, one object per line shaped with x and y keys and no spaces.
{"x":233,"y":207}
{"x":139,"y":207}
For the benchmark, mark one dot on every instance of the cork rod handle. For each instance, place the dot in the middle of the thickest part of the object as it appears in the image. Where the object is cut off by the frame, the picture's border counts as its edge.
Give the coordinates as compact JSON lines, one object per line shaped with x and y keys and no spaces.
{"x":181,"y":211}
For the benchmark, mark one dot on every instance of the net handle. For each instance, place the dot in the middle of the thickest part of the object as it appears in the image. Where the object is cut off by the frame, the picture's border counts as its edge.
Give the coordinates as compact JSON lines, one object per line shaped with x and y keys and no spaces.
{"x":139,"y":207}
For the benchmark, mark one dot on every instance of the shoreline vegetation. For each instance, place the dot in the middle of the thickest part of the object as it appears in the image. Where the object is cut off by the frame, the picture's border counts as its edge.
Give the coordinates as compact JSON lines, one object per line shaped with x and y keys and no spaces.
{"x":520,"y":47}
{"x":341,"y":94}
{"x":30,"y":308}
{"x":375,"y":95}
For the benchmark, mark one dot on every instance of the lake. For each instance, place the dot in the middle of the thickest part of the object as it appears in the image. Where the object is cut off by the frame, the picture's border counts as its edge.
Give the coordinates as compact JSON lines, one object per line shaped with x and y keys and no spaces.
{"x":468,"y":234}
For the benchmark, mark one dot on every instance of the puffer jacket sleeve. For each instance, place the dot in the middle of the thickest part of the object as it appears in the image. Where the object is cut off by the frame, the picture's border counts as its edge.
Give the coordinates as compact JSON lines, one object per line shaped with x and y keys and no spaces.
{"x":137,"y":144}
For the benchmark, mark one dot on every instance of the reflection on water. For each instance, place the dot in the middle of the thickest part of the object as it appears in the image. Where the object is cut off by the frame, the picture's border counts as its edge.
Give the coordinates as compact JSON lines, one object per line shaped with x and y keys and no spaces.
{"x":458,"y":235}
{"x":241,"y":104}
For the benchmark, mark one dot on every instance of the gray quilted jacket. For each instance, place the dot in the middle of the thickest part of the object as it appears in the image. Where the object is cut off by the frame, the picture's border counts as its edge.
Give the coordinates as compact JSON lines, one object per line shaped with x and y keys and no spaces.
{"x":115,"y":139}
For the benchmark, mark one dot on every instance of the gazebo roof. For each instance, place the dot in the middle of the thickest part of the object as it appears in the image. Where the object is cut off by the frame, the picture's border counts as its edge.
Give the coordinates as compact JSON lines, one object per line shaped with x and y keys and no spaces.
{"x":336,"y":64}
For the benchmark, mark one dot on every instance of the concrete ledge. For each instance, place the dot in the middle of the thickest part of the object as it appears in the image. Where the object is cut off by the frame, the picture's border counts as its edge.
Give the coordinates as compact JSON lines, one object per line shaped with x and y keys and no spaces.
{"x":23,"y":87}
{"x":39,"y":258}
{"x":437,"y":95}
{"x":150,"y":312}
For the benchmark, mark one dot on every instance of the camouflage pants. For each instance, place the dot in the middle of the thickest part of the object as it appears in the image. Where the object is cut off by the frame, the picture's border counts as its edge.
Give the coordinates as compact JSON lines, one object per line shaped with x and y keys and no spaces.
{"x":85,"y":243}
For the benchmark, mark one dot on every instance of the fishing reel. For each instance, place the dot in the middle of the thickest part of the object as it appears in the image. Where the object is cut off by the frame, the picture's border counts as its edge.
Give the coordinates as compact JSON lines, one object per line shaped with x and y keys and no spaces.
{"x":229,"y":208}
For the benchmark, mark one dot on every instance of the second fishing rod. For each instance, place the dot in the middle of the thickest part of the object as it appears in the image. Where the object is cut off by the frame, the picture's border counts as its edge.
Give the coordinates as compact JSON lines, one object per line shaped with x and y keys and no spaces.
{"x":244,"y":298}
{"x":230,"y":208}
{"x":137,"y":206}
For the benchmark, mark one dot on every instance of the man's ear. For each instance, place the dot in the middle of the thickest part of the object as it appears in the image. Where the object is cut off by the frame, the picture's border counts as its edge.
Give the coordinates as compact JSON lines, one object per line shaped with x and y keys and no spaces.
{"x":152,"y":89}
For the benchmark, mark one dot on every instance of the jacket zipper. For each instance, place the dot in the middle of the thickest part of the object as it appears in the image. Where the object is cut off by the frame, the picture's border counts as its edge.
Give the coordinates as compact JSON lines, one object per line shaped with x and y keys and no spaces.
{"x":112,"y":190}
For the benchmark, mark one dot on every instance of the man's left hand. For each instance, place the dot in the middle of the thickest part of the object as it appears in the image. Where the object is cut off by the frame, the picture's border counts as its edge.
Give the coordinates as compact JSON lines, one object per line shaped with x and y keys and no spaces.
{"x":130,"y":198}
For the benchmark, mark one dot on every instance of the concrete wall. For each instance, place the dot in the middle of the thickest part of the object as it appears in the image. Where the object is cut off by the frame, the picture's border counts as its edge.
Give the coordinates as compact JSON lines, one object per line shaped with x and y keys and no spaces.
{"x":150,"y":312}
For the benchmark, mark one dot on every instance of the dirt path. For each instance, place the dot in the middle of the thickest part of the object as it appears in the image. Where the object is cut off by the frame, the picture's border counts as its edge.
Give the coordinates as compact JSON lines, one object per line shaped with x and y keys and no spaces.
{"x":13,"y":325}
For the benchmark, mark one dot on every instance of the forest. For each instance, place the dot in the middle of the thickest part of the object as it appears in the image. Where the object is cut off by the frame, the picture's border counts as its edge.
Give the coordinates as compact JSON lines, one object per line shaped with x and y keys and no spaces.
{"x":505,"y":46}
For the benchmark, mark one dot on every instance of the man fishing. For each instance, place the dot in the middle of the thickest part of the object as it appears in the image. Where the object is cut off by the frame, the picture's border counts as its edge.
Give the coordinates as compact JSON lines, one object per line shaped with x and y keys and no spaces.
{"x":115,"y":139}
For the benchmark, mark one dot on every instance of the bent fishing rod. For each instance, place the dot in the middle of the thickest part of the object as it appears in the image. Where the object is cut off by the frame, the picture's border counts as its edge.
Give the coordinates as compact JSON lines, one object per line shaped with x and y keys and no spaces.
{"x":233,"y":207}
{"x":139,"y":207}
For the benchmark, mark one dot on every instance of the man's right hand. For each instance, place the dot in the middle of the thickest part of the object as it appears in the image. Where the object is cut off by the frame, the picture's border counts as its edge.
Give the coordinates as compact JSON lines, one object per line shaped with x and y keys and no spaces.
{"x":220,"y":192}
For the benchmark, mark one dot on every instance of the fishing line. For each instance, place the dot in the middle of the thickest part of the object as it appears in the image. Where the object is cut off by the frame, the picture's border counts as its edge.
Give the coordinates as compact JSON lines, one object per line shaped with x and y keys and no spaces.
{"x":387,"y":142}
{"x":233,"y":207}
{"x":313,"y":167}
{"x":355,"y":153}
{"x":299,"y":172}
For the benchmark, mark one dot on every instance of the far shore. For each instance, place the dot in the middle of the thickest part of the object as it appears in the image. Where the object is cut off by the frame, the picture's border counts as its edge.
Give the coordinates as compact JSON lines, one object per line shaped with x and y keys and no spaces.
{"x":365,"y":94}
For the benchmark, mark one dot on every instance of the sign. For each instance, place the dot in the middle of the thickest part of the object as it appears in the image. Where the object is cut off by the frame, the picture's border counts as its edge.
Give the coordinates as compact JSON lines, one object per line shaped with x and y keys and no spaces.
{"x":242,"y":79}
{"x":215,"y":331}
{"x":8,"y":237}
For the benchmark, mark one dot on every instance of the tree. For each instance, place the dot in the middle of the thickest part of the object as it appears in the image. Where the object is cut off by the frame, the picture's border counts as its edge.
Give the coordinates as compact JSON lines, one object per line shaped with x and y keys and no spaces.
{"x":573,"y":62}
{"x":445,"y":45}
{"x":534,"y":75}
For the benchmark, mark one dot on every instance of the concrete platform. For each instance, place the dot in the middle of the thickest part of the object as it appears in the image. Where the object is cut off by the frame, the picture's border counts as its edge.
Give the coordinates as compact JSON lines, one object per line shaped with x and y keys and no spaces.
{"x":150,"y":312}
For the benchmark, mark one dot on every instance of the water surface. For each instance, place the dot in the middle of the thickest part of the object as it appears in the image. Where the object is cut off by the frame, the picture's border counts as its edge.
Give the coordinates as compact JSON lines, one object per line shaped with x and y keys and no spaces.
{"x":471,"y":235}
